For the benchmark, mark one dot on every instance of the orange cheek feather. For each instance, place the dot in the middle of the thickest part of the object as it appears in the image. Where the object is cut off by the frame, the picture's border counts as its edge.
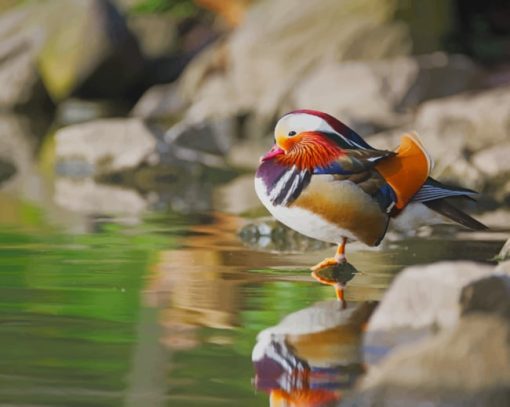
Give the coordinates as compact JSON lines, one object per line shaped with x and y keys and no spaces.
{"x":308,"y":150}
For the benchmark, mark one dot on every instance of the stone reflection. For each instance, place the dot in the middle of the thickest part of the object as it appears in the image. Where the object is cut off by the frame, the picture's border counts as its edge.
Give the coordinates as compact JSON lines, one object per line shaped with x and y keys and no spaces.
{"x":199,"y":284}
{"x":312,"y":356}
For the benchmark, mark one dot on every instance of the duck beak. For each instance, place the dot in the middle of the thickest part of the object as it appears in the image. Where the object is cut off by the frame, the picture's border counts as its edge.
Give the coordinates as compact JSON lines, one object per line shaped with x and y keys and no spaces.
{"x":272,"y":153}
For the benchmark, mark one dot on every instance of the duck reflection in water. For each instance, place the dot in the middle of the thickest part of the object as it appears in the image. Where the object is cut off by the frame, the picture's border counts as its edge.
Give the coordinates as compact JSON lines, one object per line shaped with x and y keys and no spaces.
{"x":336,"y":276}
{"x":312,"y":356}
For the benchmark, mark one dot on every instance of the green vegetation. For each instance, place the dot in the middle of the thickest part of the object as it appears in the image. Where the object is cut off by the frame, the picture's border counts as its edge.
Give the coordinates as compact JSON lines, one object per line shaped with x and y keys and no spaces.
{"x":178,"y":8}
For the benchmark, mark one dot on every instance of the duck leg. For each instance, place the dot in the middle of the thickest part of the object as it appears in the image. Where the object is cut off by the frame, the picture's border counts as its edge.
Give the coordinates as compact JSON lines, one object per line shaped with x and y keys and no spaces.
{"x":333,"y":261}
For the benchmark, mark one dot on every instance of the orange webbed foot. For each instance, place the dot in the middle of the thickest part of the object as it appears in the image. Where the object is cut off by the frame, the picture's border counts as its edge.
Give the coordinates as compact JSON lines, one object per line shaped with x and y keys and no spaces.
{"x":328,"y":262}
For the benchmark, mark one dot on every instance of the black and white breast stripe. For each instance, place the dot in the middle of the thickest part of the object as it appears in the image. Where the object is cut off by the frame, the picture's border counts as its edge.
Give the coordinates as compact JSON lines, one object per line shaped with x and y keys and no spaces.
{"x":283,"y":184}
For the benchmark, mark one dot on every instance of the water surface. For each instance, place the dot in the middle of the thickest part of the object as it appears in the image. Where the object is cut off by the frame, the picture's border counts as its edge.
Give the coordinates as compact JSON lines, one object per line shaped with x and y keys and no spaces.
{"x":164,"y":309}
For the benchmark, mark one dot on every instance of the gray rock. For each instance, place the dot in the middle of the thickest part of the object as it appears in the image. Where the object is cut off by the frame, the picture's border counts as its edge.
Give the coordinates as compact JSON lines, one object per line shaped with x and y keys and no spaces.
{"x":467,"y":365}
{"x":160,"y":102}
{"x":214,"y":137}
{"x":106,"y":145}
{"x":455,"y":128}
{"x":421,"y":300}
{"x":248,"y":75}
{"x":86,"y":196}
{"x":385,"y":89}
{"x":237,"y":197}
{"x":489,"y":295}
{"x":269,"y":235}
{"x":494,"y":161}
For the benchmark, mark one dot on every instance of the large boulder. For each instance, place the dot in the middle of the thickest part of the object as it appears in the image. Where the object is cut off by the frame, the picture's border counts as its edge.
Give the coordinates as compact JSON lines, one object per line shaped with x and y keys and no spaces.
{"x":246,"y":74}
{"x":456,"y":128}
{"x":467,"y":365}
{"x":103,"y":146}
{"x":421,"y":300}
{"x":379,"y":92}
{"x":86,"y":196}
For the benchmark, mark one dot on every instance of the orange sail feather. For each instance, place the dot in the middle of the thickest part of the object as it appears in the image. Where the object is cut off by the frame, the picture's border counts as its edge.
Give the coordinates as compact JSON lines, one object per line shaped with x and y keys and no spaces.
{"x":408,"y":170}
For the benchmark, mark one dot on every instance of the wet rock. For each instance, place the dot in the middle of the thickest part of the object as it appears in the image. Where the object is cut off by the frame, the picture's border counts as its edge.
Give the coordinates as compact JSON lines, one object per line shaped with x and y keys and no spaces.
{"x":467,"y":365}
{"x":385,"y":89}
{"x":269,"y":235}
{"x":160,"y":102}
{"x":489,"y":295}
{"x":247,"y":75}
{"x":104,"y":146}
{"x":421,"y":300}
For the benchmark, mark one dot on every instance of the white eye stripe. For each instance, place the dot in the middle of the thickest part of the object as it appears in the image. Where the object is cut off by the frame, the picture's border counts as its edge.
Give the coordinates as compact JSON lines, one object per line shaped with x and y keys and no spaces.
{"x":302,"y":122}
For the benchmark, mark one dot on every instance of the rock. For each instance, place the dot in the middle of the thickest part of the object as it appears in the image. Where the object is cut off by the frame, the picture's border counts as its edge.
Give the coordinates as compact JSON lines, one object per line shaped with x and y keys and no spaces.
{"x":247,"y":75}
{"x":237,"y":196}
{"x":104,"y":65}
{"x":160,"y":102}
{"x":20,"y":82}
{"x":385,"y":88}
{"x":269,"y":235}
{"x":106,"y":145}
{"x":454,"y":128}
{"x":213,"y":137}
{"x":421,"y":300}
{"x":246,"y":154}
{"x":467,"y":365}
{"x":85,"y":196}
{"x":489,"y":295}
{"x":494,"y":161}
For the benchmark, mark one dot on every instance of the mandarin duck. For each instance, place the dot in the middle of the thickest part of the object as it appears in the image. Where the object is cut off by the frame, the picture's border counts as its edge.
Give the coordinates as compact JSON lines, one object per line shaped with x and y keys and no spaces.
{"x":323,"y":180}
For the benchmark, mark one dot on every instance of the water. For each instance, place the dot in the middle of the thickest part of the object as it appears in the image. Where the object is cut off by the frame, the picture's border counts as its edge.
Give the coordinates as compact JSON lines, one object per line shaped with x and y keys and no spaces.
{"x":164,"y":310}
